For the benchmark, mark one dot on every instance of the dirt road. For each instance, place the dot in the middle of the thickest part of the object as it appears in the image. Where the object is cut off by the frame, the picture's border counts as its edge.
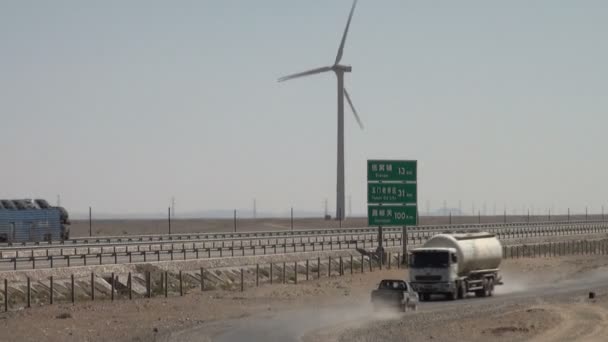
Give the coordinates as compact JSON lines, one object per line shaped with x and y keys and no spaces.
{"x":524,"y":309}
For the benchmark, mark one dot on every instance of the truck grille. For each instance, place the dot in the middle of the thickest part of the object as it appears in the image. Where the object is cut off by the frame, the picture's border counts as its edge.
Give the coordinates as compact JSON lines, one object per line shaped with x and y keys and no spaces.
{"x":428,"y":278}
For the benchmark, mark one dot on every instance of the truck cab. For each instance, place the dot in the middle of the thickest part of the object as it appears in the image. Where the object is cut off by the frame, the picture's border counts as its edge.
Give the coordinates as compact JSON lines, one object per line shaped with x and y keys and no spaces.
{"x":434,"y":270}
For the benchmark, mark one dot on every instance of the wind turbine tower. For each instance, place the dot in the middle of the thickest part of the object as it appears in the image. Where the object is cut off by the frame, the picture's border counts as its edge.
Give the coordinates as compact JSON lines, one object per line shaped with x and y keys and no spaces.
{"x":339,"y":70}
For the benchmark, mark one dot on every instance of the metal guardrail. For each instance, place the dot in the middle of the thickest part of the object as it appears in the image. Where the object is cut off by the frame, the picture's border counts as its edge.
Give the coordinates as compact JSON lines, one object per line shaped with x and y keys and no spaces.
{"x":118,"y":239}
{"x":356,"y":234}
{"x":262,"y":245}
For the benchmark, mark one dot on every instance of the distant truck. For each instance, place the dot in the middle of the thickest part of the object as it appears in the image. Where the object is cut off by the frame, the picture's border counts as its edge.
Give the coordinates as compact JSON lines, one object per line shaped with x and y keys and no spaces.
{"x":393,"y":293}
{"x":24,"y":220}
{"x":456,"y":264}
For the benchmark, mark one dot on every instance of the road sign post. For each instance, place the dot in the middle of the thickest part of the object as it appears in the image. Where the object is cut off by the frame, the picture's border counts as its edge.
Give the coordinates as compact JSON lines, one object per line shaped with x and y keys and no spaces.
{"x":392,"y":197}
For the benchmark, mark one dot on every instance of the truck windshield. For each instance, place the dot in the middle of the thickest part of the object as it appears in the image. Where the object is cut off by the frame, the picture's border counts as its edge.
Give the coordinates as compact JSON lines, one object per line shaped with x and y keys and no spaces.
{"x":431,"y":259}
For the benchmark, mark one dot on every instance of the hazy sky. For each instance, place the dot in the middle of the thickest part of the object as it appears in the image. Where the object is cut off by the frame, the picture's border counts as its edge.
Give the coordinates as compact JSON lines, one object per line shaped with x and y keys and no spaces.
{"x":122,"y":104}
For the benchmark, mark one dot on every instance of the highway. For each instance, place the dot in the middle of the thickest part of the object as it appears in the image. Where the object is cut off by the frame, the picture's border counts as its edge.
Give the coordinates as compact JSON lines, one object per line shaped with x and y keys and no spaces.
{"x":194,"y":246}
{"x":496,"y":228}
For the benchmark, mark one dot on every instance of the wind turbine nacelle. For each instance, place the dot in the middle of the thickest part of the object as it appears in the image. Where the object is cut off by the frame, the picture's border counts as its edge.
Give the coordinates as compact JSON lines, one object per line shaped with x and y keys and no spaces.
{"x":342,"y":68}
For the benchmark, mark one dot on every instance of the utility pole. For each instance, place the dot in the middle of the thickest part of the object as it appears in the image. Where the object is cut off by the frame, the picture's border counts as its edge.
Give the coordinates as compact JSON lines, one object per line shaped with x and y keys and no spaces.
{"x":90,"y":222}
{"x":173,"y":207}
{"x":169,"y":218}
{"x":235,"y":220}
{"x":326,"y":208}
{"x":255,"y":209}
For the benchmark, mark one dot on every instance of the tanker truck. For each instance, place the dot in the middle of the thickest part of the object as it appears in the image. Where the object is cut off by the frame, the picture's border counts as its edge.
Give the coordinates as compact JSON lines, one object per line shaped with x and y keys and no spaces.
{"x":456,"y":264}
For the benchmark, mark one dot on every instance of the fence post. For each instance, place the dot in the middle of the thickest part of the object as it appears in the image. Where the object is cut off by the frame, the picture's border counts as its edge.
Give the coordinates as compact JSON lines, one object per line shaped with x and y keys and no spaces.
{"x":329,"y":267}
{"x":162,"y":282}
{"x":257,"y":275}
{"x":295,"y":271}
{"x":181,"y":285}
{"x":306,"y":269}
{"x":73,"y":290}
{"x":130,"y":285}
{"x":369,"y":260}
{"x":341,"y":267}
{"x":112,"y":285}
{"x":202,"y":279}
{"x":271,"y":280}
{"x":6,"y":295}
{"x":92,"y":286}
{"x":362,"y":263}
{"x":389,"y":259}
{"x":166,"y":287}
{"x":243,"y":281}
{"x":51,"y":291}
{"x":148,"y":290}
{"x":29,"y":293}
{"x":351,"y":264}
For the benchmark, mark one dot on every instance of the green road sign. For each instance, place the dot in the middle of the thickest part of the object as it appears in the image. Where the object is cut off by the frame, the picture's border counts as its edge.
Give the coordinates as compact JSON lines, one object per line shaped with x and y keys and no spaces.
{"x":391,"y":170}
{"x":391,"y":215}
{"x":391,"y":193}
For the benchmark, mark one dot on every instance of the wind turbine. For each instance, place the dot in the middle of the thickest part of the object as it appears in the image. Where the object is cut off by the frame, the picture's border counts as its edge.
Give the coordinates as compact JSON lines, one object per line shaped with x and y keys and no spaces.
{"x":339,"y":70}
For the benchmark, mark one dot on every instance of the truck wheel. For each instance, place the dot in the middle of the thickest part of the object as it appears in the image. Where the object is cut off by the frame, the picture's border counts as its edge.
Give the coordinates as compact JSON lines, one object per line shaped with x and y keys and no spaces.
{"x":490,"y":288}
{"x":460,"y":291}
{"x":480,"y":293}
{"x":426,"y":297}
{"x":452,"y":295}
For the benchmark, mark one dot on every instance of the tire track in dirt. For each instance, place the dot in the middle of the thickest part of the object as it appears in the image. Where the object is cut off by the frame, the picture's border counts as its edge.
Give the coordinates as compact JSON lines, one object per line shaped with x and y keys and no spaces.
{"x":579,"y":322}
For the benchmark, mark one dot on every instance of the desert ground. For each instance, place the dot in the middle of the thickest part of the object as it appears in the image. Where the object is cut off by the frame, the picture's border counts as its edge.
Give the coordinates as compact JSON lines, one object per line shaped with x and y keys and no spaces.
{"x":543,"y":299}
{"x":80,"y":228}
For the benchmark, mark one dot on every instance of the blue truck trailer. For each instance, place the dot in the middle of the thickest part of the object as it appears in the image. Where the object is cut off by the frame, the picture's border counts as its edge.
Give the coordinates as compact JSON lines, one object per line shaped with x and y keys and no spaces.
{"x":35,"y":221}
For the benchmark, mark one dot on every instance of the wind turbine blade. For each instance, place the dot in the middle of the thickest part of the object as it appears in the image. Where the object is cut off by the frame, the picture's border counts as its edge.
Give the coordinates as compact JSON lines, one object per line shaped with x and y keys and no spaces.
{"x":341,"y":49}
{"x":305,"y":73}
{"x":350,"y":103}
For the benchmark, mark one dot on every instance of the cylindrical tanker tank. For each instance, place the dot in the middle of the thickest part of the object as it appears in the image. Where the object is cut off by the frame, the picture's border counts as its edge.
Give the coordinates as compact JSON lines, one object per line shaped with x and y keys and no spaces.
{"x":476,"y":251}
